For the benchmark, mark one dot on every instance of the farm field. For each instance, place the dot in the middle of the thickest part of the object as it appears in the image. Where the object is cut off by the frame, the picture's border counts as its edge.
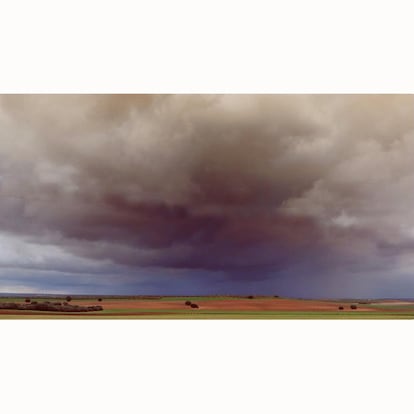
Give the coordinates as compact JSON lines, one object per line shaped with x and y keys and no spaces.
{"x":216,"y":307}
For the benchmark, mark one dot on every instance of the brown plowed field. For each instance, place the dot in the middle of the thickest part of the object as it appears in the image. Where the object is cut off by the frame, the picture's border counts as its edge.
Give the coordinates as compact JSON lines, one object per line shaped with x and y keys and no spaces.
{"x":259,"y":304}
{"x":141,"y":307}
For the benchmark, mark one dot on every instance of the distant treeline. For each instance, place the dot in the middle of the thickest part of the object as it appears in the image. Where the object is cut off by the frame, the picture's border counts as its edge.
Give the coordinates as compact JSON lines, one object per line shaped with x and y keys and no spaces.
{"x":133,"y":297}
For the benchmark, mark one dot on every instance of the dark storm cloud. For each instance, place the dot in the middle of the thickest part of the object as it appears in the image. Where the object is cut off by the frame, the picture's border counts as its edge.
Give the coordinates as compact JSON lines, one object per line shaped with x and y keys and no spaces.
{"x":248,"y":185}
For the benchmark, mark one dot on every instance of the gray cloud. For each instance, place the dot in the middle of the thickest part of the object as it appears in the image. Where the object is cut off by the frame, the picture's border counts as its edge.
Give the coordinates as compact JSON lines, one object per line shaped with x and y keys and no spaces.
{"x":248,"y":186}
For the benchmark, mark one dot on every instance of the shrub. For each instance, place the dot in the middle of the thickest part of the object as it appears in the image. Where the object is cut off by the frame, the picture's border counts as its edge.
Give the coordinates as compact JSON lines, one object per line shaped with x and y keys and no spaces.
{"x":34,"y":303}
{"x":276,"y":296}
{"x":27,"y":300}
{"x":341,"y":308}
{"x":354,"y":307}
{"x":250,"y":297}
{"x":188,"y":303}
{"x":194,"y":306}
{"x":68,"y":298}
{"x":99,"y":299}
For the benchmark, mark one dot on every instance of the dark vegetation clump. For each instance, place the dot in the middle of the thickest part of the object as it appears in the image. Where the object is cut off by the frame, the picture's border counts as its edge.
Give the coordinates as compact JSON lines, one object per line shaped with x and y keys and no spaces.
{"x":194,"y":306}
{"x":341,"y":308}
{"x":354,"y":307}
{"x":68,"y":298}
{"x":10,"y":305}
{"x":188,"y":303}
{"x":42,"y":307}
{"x":27,"y":300}
{"x":95,"y":308}
{"x":99,"y":299}
{"x":276,"y":296}
{"x":250,"y":297}
{"x":50,"y":307}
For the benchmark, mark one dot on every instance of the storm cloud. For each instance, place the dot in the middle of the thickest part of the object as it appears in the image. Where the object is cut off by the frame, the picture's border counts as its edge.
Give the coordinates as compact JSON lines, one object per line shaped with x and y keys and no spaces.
{"x":299,"y":194}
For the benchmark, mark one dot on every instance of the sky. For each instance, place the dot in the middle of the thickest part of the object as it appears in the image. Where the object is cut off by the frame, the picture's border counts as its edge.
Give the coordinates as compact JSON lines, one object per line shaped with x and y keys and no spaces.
{"x":296,"y":195}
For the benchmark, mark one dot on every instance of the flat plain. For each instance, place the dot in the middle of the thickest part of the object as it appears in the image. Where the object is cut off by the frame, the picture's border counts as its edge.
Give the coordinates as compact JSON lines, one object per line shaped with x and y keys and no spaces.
{"x":216,"y":307}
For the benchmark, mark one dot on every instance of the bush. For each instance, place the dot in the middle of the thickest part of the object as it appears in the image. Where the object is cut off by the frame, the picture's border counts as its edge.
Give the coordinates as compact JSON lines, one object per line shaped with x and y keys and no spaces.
{"x":27,"y":300}
{"x":341,"y":308}
{"x":188,"y":303}
{"x":250,"y":297}
{"x":68,"y":298}
{"x":194,"y":306}
{"x":276,"y":296}
{"x":34,"y":303}
{"x":99,"y":299}
{"x":354,"y":307}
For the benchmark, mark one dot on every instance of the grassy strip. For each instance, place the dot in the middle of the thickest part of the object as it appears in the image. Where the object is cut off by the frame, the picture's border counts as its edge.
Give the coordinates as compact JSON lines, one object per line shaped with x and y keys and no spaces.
{"x":223,"y":315}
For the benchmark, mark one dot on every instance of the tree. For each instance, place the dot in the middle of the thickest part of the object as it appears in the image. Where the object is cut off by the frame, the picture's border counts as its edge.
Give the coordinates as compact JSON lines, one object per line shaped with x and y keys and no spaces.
{"x":194,"y":306}
{"x":68,"y":298}
{"x":341,"y":308}
{"x":27,"y":300}
{"x":99,"y":299}
{"x":354,"y":307}
{"x":188,"y":303}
